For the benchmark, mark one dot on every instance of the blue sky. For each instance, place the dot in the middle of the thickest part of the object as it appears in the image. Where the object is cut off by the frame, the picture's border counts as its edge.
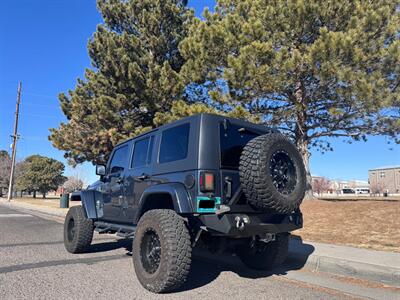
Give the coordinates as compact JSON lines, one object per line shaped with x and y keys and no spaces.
{"x":43,"y":44}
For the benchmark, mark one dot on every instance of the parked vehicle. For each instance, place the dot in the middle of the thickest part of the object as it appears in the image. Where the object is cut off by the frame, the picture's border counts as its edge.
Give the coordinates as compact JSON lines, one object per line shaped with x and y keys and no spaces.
{"x":362,"y":190}
{"x":348,"y":191}
{"x":226,"y":184}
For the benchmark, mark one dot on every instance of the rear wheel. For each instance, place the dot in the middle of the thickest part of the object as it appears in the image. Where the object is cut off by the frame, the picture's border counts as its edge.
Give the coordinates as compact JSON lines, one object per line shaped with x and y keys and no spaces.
{"x":161,"y":251}
{"x":265,"y":256}
{"x":78,"y":230}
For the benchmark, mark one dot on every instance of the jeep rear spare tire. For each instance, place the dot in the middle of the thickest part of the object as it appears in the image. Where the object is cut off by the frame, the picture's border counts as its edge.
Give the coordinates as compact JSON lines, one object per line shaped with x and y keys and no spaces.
{"x":161,"y":251}
{"x":272,"y":174}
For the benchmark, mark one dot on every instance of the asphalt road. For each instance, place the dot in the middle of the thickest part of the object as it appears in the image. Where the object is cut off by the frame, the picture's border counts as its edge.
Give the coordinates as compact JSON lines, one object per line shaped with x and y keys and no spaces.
{"x":35,"y":265}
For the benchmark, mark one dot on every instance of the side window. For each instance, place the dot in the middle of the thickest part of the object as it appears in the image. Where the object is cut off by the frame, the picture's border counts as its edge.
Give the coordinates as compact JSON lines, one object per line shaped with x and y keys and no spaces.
{"x":119,"y":159}
{"x":140,"y":150}
{"x":174,"y":143}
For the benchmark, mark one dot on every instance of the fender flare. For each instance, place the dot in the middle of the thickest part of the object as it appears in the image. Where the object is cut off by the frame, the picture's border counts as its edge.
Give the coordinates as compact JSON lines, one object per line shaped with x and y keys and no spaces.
{"x":181,"y":199}
{"x":88,"y":200}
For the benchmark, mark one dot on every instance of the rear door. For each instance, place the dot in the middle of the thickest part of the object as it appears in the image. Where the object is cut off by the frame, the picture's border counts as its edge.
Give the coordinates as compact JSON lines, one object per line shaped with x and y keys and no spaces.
{"x":114,"y":182}
{"x":138,"y":177}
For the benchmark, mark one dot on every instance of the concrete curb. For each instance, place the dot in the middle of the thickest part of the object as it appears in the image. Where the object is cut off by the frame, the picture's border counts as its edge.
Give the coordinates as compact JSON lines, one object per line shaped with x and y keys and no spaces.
{"x":365,"y":264}
{"x":375,"y":269}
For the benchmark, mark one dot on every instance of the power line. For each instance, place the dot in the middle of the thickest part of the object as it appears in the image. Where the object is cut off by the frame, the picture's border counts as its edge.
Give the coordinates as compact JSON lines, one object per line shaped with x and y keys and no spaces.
{"x":41,"y":116}
{"x":42,"y":105}
{"x":41,"y":95}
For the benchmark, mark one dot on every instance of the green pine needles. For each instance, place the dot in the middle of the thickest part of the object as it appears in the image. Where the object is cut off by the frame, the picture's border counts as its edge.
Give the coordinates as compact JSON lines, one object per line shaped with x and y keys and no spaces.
{"x":315,"y":69}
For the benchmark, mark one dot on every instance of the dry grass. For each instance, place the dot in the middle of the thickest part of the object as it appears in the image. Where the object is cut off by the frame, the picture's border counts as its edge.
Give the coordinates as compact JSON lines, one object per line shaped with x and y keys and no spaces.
{"x":51,"y":202}
{"x":359,"y":198}
{"x":364,"y":224}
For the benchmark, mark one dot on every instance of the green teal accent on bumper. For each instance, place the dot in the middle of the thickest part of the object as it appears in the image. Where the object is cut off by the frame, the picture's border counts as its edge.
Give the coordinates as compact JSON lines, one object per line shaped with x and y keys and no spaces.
{"x":217,"y":201}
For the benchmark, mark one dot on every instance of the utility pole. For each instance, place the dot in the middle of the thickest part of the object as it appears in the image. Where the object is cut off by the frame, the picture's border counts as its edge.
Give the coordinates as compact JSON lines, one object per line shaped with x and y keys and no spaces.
{"x":14,"y":144}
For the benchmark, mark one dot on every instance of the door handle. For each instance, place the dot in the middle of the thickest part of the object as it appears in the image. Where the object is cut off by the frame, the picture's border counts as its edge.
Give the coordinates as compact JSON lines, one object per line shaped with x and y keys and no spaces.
{"x":143,"y":176}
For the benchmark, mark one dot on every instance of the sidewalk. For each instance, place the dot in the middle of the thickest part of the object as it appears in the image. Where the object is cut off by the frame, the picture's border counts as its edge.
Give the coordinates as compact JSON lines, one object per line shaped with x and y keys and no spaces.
{"x":366,"y":264}
{"x":380,"y":266}
{"x":40,"y":209}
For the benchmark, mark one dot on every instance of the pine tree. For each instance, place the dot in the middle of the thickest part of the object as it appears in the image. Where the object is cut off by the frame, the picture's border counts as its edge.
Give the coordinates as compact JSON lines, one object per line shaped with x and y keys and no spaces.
{"x":136,"y":64}
{"x":316,"y":69}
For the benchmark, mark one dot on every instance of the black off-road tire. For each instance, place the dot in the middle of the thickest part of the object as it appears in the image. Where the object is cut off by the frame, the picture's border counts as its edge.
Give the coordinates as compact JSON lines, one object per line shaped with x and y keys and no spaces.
{"x":79,"y":241}
{"x":174,"y":242}
{"x":266,"y":256}
{"x":256,"y":179}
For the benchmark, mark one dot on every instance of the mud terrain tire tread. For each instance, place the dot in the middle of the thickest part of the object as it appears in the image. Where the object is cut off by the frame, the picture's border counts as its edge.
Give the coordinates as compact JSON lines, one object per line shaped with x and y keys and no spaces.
{"x":256,"y":181}
{"x":83,"y":230}
{"x":175,"y":251}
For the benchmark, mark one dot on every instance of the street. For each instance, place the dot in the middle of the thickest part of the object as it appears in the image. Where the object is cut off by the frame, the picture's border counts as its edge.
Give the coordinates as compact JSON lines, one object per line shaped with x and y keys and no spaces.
{"x":35,"y":265}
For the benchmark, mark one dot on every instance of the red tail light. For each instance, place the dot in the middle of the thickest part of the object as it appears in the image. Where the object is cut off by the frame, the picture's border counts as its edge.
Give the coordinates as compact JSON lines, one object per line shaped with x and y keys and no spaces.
{"x":207,"y":182}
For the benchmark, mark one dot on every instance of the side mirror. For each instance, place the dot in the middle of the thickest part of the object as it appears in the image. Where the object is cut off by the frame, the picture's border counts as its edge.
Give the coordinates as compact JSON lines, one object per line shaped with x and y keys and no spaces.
{"x":100,"y":170}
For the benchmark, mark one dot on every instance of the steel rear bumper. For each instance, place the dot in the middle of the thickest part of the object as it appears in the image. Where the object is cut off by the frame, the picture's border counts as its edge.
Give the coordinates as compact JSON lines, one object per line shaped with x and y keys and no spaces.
{"x":245,"y":225}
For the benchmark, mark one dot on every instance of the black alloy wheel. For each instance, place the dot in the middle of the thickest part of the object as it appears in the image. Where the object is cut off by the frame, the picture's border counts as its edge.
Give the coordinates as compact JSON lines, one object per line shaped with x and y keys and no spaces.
{"x":150,"y":251}
{"x":71,"y":230}
{"x":283,"y":172}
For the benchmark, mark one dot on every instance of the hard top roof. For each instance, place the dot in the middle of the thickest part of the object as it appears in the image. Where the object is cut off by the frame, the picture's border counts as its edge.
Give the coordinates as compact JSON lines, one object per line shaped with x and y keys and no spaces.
{"x":206,"y":117}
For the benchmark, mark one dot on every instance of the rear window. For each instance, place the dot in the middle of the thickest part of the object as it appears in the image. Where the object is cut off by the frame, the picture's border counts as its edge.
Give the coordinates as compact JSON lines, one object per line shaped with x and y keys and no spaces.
{"x":232,"y":141}
{"x":174,"y":143}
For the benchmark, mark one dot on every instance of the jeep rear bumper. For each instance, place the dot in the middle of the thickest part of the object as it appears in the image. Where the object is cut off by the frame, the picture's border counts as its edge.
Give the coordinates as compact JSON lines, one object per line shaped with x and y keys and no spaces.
{"x":246,"y":225}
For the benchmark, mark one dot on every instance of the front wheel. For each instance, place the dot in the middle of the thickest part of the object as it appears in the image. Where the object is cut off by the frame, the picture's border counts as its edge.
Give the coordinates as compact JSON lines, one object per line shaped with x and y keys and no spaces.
{"x":161,"y":251}
{"x":265,"y":256}
{"x":78,"y":230}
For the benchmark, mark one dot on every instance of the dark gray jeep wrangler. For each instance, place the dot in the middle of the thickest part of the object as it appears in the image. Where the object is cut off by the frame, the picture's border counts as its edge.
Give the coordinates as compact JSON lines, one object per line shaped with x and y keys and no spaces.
{"x":207,"y":180}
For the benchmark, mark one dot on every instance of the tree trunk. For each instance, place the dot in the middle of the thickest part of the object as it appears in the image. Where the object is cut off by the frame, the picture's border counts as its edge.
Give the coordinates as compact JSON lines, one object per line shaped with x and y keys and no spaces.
{"x":301,"y":134}
{"x":305,"y":154}
{"x":34,"y":194}
{"x":43,"y":195}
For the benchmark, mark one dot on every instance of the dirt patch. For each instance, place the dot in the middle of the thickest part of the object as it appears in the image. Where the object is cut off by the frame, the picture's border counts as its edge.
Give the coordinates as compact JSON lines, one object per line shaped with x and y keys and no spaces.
{"x":364,"y":224}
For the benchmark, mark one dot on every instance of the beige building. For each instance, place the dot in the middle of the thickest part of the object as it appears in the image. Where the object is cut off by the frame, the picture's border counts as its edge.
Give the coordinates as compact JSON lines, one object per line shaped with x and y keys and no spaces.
{"x":385,"y":179}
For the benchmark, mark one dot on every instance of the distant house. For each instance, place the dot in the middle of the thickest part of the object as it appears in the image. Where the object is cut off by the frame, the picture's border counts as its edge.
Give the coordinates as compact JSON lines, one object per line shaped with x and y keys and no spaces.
{"x":385,"y":180}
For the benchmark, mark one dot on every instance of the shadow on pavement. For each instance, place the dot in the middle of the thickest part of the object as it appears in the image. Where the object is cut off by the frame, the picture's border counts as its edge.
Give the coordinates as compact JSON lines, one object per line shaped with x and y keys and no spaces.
{"x":47,"y":243}
{"x":112,"y":245}
{"x":207,"y":267}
